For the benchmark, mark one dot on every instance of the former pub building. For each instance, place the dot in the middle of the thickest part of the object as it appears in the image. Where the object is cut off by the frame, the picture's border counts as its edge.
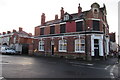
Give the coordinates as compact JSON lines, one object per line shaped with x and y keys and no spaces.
{"x":80,"y":35}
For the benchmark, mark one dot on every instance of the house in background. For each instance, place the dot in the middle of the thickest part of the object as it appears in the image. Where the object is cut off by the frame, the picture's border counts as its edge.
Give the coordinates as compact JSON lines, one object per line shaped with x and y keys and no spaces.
{"x":20,"y":40}
{"x":84,"y":34}
{"x":113,"y":44}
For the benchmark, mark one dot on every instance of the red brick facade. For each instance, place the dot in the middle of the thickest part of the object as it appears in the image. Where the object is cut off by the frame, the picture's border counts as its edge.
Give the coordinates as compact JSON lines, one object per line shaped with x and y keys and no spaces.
{"x":90,"y":26}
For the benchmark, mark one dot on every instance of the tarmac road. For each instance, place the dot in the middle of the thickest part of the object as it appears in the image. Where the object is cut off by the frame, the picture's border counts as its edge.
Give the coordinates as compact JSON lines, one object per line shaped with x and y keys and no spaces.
{"x":19,"y":66}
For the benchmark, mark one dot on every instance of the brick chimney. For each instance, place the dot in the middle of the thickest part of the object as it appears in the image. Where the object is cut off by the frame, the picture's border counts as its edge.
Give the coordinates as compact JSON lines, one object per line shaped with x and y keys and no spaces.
{"x":43,"y":19}
{"x":30,"y":34}
{"x":8,"y":32}
{"x":14,"y":30}
{"x":62,"y":12}
{"x":4,"y":33}
{"x":56,"y":17}
{"x":20,"y":29}
{"x":79,"y":9}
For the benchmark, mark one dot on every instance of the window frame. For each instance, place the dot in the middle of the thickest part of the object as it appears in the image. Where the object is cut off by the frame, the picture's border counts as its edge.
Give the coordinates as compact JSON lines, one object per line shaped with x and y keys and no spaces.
{"x":80,"y":26}
{"x":63,"y":45}
{"x":41,"y":45}
{"x":62,"y":27}
{"x":52,"y":31}
{"x":78,"y":45}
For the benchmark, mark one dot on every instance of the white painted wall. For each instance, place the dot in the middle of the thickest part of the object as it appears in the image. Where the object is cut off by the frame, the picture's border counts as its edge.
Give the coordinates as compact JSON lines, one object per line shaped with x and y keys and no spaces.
{"x":100,"y":38}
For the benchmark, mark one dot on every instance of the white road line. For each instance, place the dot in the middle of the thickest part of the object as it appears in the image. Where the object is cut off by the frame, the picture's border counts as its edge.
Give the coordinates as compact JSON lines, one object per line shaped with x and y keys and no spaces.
{"x":111,"y":72}
{"x":4,"y":63}
{"x":76,"y":63}
{"x":87,"y":67}
{"x":107,"y":67}
{"x":1,"y":78}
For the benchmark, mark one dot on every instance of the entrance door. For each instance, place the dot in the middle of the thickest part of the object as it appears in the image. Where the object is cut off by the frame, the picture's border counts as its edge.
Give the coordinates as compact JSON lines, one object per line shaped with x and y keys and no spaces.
{"x":96,"y":48}
{"x":52,"y":49}
{"x":25,"y":48}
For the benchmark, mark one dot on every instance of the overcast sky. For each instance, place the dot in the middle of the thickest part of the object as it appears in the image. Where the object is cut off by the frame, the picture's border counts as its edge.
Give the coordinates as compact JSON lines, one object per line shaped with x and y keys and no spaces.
{"x":27,"y":13}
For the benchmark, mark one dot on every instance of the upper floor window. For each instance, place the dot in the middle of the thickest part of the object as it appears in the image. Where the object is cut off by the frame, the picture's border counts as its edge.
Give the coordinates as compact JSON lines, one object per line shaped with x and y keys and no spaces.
{"x":52,"y":29}
{"x":96,"y":25}
{"x":41,"y":45}
{"x":62,"y":28}
{"x":63,"y":45}
{"x":79,"y":45}
{"x":66,"y":17}
{"x":41,"y":31}
{"x":79,"y":26}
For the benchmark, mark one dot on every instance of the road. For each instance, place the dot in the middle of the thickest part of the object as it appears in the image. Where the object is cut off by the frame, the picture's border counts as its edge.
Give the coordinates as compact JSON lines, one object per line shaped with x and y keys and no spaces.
{"x":19,"y":66}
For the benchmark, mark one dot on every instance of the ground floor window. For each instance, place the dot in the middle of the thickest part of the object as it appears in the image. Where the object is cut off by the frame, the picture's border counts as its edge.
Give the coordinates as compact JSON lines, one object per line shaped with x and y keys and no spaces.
{"x":79,"y":45}
{"x":41,"y":46}
{"x":63,"y":45}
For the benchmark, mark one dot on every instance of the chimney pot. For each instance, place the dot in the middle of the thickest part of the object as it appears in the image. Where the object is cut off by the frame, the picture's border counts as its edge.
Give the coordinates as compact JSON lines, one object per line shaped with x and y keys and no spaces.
{"x":8,"y":32}
{"x":20,"y":29}
{"x":30,"y":34}
{"x":56,"y":17}
{"x":62,"y":12}
{"x":14,"y":30}
{"x":4,"y":33}
{"x":79,"y":9}
{"x":43,"y":19}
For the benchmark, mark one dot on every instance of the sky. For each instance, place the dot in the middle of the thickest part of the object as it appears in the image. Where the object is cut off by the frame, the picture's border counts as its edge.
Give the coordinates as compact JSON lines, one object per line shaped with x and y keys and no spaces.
{"x":27,"y":13}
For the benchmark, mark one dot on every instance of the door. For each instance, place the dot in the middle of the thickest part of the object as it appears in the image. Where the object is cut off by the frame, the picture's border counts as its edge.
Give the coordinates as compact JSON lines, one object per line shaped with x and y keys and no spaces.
{"x":96,"y":48}
{"x":52,"y":49}
{"x":25,"y":48}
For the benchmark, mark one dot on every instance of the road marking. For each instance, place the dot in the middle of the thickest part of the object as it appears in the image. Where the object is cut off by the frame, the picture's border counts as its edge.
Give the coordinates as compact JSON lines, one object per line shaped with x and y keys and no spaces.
{"x":1,"y":78}
{"x":107,"y":67}
{"x":87,"y":67}
{"x":76,"y":63}
{"x":111,"y":72}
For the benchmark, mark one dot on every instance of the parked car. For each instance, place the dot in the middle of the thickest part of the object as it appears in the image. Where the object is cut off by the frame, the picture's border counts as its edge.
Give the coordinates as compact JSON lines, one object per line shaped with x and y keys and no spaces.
{"x":7,"y":50}
{"x":10,"y":51}
{"x":3,"y":49}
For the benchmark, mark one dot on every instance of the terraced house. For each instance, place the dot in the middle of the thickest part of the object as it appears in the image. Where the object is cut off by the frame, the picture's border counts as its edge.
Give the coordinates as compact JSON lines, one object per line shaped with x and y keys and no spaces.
{"x":19,"y":40}
{"x":80,"y":35}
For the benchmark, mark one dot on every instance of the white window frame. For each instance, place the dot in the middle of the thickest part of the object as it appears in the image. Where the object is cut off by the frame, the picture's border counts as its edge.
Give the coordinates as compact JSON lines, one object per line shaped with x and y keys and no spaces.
{"x":78,"y":45}
{"x":41,"y":45}
{"x":63,"y":45}
{"x":66,"y":17}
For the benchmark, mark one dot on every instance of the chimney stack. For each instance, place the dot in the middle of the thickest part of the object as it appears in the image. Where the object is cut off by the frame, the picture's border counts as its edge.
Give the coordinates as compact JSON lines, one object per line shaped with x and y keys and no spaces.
{"x":56,"y":17}
{"x":43,"y":19}
{"x":14,"y":30}
{"x":8,"y":32}
{"x":62,"y":12}
{"x":4,"y":33}
{"x":20,"y":29}
{"x":30,"y":34}
{"x":79,"y":9}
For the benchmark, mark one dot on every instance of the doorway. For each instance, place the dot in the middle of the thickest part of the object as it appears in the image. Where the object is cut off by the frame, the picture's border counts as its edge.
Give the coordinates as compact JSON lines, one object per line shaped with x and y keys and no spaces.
{"x":96,"y":48}
{"x":52,"y":48}
{"x":25,"y":48}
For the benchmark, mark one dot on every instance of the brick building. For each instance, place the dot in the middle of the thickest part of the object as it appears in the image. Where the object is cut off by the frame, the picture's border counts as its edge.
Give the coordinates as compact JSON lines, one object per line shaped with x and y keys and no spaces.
{"x":113,"y":44}
{"x":80,"y":35}
{"x":20,"y":40}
